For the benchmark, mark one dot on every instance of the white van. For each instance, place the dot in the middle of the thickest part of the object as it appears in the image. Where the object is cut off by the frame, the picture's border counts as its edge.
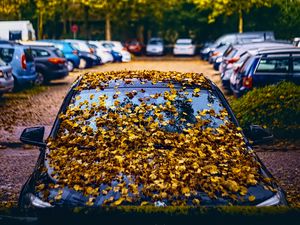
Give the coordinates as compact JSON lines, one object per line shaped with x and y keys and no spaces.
{"x":17,"y":30}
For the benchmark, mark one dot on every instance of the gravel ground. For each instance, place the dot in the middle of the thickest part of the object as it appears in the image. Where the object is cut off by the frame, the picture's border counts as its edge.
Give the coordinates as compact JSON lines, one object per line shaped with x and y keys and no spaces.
{"x":39,"y":106}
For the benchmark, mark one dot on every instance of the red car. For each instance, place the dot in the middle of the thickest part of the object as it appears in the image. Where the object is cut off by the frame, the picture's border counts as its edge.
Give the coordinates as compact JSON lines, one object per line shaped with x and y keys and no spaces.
{"x":135,"y":47}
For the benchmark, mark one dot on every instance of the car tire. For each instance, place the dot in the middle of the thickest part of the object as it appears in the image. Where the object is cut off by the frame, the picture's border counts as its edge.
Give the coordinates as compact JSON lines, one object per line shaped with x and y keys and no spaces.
{"x":82,"y":64}
{"x":40,"y":79}
{"x":70,"y":66}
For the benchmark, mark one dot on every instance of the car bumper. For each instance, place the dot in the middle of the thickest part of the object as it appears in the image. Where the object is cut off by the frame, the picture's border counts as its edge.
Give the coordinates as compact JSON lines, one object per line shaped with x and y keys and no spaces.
{"x":6,"y":85}
{"x":183,"y":52}
{"x":58,"y":74}
{"x":26,"y":79}
{"x":154,"y":52}
{"x":126,"y":57}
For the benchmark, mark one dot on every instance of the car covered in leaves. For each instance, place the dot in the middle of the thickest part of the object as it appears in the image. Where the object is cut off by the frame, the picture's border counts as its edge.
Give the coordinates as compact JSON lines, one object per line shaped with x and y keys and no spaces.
{"x":147,"y":138}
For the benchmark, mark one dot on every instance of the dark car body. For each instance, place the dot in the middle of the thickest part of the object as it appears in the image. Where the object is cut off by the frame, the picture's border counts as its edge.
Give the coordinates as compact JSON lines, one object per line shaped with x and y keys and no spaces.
{"x":70,"y":53}
{"x":50,"y":63}
{"x":265,"y":67}
{"x":30,"y":197}
{"x":232,"y":55}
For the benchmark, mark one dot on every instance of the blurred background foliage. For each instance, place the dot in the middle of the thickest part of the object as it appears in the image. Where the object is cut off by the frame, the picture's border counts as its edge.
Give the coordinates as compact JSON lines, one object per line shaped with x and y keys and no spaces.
{"x":202,"y":20}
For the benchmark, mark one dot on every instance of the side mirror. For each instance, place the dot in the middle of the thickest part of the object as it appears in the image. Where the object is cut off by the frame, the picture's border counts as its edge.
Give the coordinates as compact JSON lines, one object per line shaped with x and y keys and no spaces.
{"x":33,"y":136}
{"x":259,"y":135}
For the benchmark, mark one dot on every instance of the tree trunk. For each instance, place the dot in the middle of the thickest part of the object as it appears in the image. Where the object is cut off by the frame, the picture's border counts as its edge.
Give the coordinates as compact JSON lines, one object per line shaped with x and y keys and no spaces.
{"x":107,"y":27}
{"x":241,"y":21}
{"x":40,"y":25}
{"x":64,"y":19}
{"x":140,"y":33}
{"x":86,"y":22}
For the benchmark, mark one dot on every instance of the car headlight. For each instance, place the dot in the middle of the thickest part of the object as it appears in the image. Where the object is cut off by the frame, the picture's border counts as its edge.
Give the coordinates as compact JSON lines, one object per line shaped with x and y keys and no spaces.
{"x":37,"y":202}
{"x":206,"y":50}
{"x":219,"y":60}
{"x":277,"y":199}
{"x":1,"y":74}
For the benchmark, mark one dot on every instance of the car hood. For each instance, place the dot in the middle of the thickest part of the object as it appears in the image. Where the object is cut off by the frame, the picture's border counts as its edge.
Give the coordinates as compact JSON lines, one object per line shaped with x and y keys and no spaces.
{"x":71,"y":197}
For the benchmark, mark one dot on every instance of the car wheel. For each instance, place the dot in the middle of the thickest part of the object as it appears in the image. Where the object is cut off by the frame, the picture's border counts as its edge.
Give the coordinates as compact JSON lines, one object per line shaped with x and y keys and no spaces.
{"x":39,"y":79}
{"x":82,"y":64}
{"x":70,"y":66}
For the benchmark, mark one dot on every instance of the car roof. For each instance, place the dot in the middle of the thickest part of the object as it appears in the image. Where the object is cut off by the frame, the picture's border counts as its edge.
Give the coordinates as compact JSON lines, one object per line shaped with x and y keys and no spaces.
{"x":277,"y":50}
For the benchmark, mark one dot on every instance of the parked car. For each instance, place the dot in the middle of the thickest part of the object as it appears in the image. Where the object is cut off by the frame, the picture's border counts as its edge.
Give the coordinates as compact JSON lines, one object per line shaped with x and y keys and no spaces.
{"x":50,"y":62}
{"x":19,"y":57}
{"x":70,"y":53}
{"x":155,"y":46}
{"x":267,"y":66}
{"x":102,"y":52}
{"x":205,"y":50}
{"x":141,"y":136}
{"x":117,"y":50}
{"x":217,"y":53}
{"x":239,"y":38}
{"x":231,"y":57}
{"x":6,"y":78}
{"x":184,"y":47}
{"x":135,"y":47}
{"x":87,"y":57}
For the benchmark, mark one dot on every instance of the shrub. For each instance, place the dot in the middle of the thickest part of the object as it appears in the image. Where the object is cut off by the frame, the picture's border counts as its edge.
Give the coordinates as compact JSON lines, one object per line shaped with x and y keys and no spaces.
{"x":276,"y":107}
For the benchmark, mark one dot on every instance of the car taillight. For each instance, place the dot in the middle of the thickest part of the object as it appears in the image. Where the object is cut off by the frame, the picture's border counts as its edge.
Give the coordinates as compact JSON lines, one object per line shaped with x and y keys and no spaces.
{"x":57,"y":60}
{"x":216,"y":54}
{"x":75,"y":52}
{"x":233,"y":60}
{"x":23,"y":62}
{"x":247,"y":82}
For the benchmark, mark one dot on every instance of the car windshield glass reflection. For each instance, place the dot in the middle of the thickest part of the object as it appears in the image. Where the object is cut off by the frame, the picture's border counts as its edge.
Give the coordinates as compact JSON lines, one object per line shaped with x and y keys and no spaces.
{"x":187,"y":107}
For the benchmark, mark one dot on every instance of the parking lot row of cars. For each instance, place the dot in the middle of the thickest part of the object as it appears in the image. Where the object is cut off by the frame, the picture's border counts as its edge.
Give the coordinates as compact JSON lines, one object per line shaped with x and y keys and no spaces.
{"x":251,"y":60}
{"x":39,"y":62}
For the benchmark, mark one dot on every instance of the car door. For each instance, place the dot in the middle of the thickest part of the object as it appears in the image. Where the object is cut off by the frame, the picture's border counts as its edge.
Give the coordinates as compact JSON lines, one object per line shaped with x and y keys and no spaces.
{"x":272,"y":69}
{"x":295,"y":72}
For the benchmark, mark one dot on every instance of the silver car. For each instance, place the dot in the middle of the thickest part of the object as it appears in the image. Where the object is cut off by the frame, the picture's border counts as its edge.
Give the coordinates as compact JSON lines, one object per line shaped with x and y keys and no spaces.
{"x":6,"y":78}
{"x":155,"y":46}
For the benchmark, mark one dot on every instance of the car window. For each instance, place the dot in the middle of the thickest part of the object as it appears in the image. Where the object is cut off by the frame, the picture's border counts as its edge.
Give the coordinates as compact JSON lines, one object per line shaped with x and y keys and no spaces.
{"x":59,"y":53}
{"x":296,"y":65}
{"x":28,"y":55}
{"x":155,"y":42}
{"x":39,"y":53}
{"x":273,"y":65}
{"x":6,"y":54}
{"x":187,"y":106}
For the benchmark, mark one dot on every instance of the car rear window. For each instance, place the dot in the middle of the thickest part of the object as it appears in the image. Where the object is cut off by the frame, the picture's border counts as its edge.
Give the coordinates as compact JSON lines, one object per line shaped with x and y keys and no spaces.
{"x":6,"y":54}
{"x":273,"y":65}
{"x":40,"y":53}
{"x":28,"y":55}
{"x":296,"y":65}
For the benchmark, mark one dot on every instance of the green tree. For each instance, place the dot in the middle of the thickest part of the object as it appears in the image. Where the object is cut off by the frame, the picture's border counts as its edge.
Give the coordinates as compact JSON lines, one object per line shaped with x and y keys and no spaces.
{"x":229,"y":7}
{"x":11,"y":8}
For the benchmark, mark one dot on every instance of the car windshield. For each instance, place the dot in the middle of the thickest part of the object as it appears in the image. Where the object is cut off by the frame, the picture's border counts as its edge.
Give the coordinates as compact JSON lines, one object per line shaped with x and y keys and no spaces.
{"x":155,"y":42}
{"x":187,"y":107}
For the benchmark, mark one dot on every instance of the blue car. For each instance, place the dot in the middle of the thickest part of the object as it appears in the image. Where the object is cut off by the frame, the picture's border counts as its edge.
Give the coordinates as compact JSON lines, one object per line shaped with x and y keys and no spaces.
{"x":70,"y":53}
{"x":265,"y":67}
{"x":19,"y":57}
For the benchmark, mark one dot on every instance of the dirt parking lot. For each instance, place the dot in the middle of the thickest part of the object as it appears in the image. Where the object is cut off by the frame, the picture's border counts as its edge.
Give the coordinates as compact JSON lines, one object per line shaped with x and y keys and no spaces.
{"x":39,"y":106}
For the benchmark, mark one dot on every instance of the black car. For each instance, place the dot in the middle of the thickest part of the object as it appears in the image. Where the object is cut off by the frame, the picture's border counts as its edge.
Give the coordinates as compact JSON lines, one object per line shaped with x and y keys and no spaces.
{"x":50,"y":63}
{"x":266,"y":66}
{"x":147,"y":137}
